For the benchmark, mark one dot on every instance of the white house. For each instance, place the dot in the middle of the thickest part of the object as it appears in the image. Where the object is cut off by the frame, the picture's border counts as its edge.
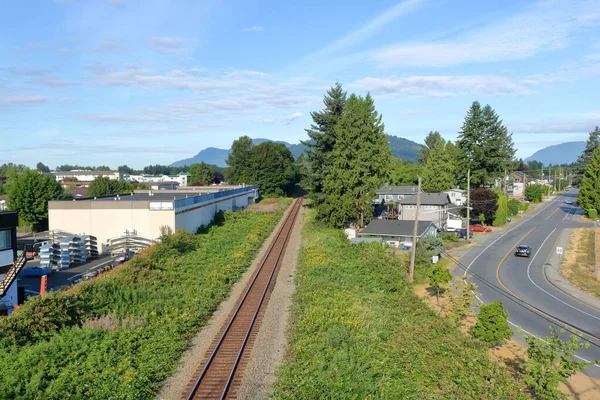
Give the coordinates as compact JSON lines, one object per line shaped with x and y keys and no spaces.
{"x":458,"y":197}
{"x":398,"y":233}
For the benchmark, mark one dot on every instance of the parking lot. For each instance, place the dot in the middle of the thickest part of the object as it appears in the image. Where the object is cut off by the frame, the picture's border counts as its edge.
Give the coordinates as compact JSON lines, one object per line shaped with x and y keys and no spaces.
{"x":62,"y":277}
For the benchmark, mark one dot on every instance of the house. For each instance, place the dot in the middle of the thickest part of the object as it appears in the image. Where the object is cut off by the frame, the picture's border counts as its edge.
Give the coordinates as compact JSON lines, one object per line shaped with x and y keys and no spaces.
{"x":398,"y":233}
{"x":433,"y":207}
{"x":9,"y":220}
{"x":390,"y":194}
{"x":458,"y":197}
{"x":519,"y":177}
{"x":3,"y":200}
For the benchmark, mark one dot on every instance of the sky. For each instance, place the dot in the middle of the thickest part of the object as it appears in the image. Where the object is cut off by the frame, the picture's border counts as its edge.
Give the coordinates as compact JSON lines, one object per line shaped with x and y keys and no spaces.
{"x":142,"y":82}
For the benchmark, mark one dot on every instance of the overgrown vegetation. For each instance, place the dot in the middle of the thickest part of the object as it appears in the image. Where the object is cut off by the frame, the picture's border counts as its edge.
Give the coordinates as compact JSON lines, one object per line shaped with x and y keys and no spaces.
{"x":551,"y":362}
{"x":122,"y":334}
{"x":360,"y":332}
{"x":492,"y":324}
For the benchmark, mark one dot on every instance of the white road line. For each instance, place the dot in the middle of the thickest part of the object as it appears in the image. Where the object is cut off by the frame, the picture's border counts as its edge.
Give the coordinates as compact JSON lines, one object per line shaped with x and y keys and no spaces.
{"x":567,"y":214}
{"x":549,"y":294}
{"x":490,"y":245}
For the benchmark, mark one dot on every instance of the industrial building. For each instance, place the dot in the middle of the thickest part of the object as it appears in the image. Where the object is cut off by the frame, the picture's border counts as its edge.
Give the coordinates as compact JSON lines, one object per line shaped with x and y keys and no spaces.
{"x":182,"y":179}
{"x":146,"y":213}
{"x":86,"y":176}
{"x":9,"y":221}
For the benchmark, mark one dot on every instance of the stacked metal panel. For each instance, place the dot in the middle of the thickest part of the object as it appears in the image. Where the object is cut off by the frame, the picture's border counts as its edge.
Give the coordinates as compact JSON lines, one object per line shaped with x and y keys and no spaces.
{"x":49,"y":255}
{"x":78,"y":253}
{"x":91,"y":246}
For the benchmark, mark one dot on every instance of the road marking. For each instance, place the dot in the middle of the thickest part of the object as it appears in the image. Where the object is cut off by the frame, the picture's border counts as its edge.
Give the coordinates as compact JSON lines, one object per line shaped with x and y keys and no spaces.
{"x":504,"y":258}
{"x":551,"y":214}
{"x":567,"y":214}
{"x":549,"y":294}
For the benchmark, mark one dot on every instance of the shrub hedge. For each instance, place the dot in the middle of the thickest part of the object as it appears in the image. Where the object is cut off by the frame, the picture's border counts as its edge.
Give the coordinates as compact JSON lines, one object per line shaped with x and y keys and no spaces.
{"x":359,"y":331}
{"x":120,"y":335}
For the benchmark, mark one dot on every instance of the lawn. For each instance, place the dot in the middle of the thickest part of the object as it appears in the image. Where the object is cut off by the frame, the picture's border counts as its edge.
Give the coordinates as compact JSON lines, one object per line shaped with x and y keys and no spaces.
{"x":119,"y":336}
{"x":359,"y":331}
{"x":577,"y":266}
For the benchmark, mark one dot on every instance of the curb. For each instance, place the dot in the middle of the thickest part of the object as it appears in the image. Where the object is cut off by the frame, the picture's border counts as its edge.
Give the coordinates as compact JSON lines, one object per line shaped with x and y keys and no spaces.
{"x":561,"y":284}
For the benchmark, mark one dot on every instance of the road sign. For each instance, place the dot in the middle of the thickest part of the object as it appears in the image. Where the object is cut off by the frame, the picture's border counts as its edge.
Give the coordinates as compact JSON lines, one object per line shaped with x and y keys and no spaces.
{"x":560,"y":251}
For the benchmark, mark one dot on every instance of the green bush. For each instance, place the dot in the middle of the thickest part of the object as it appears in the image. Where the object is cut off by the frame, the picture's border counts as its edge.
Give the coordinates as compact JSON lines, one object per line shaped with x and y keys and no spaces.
{"x":122,"y":334}
{"x":492,"y":324}
{"x":501,"y":212}
{"x":359,"y":331}
{"x":592,"y":213}
{"x":523,"y":206}
{"x":513,"y":207}
{"x":448,"y":237}
{"x":535,"y":192}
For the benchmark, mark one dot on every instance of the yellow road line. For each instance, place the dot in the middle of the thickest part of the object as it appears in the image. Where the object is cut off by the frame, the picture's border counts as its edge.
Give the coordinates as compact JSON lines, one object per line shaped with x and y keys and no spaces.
{"x":551,"y":214}
{"x":525,"y":303}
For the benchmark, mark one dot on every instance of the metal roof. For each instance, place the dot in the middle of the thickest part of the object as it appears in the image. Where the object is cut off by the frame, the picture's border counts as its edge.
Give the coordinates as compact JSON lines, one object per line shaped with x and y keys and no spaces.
{"x":393,"y":227}
{"x":428,"y":199}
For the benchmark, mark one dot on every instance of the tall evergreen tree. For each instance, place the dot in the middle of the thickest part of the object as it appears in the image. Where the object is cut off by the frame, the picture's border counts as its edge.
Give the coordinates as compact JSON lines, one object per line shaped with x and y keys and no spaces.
{"x":487,"y":147}
{"x":239,"y":160}
{"x":360,"y":164}
{"x":322,"y":141}
{"x":589,"y":189}
{"x":438,"y":172}
{"x":584,"y":158}
{"x":431,"y":140}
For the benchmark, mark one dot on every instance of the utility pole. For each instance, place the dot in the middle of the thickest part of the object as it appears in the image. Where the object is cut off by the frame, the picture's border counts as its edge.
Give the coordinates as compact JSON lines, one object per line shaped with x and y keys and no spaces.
{"x":468,"y":201}
{"x":413,"y":252}
{"x":595,"y":252}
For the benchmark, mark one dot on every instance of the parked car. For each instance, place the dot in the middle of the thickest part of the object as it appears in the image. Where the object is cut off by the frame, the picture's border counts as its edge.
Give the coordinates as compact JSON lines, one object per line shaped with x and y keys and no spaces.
{"x":480,"y":228}
{"x":34,"y":271}
{"x":89,"y":275}
{"x":523,"y":250}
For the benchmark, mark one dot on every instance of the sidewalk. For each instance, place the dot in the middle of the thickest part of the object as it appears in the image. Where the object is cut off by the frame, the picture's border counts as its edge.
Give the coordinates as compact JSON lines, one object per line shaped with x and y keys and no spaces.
{"x":552,"y":273}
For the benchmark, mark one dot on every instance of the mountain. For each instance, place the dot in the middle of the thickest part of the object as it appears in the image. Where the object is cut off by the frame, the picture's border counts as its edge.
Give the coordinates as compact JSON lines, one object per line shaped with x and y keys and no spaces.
{"x":564,"y":153}
{"x":403,"y":148}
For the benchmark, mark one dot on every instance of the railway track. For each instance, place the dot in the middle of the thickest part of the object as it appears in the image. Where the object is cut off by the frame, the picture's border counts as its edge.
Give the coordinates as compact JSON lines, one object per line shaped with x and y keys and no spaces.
{"x":224,"y":363}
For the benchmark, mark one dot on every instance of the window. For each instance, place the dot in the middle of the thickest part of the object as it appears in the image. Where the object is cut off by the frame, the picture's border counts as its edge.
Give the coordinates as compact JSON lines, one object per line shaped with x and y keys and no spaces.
{"x":5,"y":239}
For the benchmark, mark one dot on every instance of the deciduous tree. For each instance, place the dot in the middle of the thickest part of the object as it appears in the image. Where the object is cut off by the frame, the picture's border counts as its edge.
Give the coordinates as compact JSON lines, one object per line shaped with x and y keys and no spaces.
{"x":484,"y":202}
{"x":201,"y":174}
{"x":272,"y":168}
{"x":104,"y":186}
{"x":360,"y":163}
{"x":29,"y":193}
{"x":40,"y":167}
{"x":492,"y":324}
{"x":239,"y":160}
{"x":404,"y":173}
{"x":438,"y":279}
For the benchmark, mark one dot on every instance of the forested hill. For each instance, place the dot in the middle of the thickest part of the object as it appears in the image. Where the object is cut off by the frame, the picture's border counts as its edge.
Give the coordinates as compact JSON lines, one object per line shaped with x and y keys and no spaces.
{"x":403,"y":148}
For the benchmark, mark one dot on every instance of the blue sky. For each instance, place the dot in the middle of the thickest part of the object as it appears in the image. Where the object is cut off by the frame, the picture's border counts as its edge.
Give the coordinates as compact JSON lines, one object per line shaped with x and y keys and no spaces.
{"x":141,"y":82}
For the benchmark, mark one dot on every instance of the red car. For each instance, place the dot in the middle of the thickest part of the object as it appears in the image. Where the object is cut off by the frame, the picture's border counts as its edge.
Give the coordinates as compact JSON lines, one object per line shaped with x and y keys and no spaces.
{"x":480,"y":228}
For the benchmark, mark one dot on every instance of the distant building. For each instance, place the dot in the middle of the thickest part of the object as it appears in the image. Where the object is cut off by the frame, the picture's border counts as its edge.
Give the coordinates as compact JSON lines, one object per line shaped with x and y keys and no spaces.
{"x":182,"y":179}
{"x":86,"y":176}
{"x":392,"y":194}
{"x":398,"y":233}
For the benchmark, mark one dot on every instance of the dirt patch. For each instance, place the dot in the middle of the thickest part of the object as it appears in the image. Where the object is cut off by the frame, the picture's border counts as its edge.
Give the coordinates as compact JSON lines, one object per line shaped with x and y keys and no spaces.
{"x":261,"y":207}
{"x":514,"y":354}
{"x":577,"y":266}
{"x":174,"y":387}
{"x":270,"y":344}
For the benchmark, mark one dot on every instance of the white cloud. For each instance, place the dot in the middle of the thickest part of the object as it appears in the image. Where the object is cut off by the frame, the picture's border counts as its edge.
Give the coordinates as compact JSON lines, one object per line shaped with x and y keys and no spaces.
{"x":563,"y":127}
{"x":23,"y":100}
{"x":112,"y":45}
{"x":445,"y":86}
{"x":253,"y":29}
{"x":169,"y":45}
{"x":293,"y":117}
{"x":546,"y":26}
{"x":114,"y":3}
{"x":364,"y":32}
{"x":64,"y":50}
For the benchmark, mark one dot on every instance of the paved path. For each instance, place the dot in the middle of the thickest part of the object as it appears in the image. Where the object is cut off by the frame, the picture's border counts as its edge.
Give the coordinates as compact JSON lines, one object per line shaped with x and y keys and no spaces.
{"x":520,"y":283}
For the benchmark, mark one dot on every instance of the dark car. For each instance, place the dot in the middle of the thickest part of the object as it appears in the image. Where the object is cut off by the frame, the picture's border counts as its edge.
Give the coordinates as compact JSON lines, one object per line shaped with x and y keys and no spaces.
{"x":523,"y":250}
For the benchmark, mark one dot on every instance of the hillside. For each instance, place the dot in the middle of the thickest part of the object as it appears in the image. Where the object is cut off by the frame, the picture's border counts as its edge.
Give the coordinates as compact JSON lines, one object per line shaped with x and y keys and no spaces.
{"x":403,"y":148}
{"x":564,"y":153}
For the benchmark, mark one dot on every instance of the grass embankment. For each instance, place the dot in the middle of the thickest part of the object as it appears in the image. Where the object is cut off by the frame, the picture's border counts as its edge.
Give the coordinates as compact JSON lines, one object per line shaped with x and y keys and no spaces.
{"x":577,"y":266}
{"x":122,"y":334}
{"x":359,"y":331}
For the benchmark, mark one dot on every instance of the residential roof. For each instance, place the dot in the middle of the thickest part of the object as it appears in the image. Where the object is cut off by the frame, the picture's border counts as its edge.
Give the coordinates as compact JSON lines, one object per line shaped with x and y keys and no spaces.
{"x":520,"y":174}
{"x":394,"y":227}
{"x":463,"y":191}
{"x":397,"y":190}
{"x":428,"y":199}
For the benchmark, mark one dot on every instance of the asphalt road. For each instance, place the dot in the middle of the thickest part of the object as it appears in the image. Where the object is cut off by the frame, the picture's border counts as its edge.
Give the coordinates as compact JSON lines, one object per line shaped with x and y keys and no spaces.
{"x":534,"y":303}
